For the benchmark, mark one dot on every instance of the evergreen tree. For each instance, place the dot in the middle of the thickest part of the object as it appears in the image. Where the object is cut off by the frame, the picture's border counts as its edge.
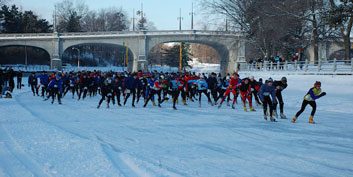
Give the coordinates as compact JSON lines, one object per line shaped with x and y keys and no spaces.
{"x":171,"y":56}
{"x":14,"y":21}
{"x":73,"y":24}
{"x":341,"y":17}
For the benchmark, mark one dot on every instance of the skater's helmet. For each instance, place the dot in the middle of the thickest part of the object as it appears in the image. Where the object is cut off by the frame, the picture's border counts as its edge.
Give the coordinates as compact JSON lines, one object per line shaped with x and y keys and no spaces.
{"x":284,"y":79}
{"x":269,"y":80}
{"x":317,"y":83}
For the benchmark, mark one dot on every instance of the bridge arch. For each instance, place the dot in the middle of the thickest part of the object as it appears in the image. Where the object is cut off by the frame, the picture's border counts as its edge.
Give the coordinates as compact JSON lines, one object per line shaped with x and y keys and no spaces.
{"x":24,"y":54}
{"x":99,"y":54}
{"x":230,"y":49}
{"x":221,"y":50}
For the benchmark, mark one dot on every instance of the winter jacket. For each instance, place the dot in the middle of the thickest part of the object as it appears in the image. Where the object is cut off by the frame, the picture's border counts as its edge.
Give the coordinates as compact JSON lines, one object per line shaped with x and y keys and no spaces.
{"x":279,"y":85}
{"x":245,"y":88}
{"x":131,"y":83}
{"x":174,"y":84}
{"x":44,"y":79}
{"x":267,"y":90}
{"x":56,"y":84}
{"x":212,"y":83}
{"x":32,"y":80}
{"x":202,"y":85}
{"x":313,"y":94}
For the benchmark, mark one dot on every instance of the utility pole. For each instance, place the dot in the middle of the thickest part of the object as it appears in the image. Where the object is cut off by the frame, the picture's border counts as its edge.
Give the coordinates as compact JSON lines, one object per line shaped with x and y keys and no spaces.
{"x":192,"y":16}
{"x":181,"y":57}
{"x":226,"y":24}
{"x":133,"y":19}
{"x":26,"y":56}
{"x":54,"y":20}
{"x":141,"y":22}
{"x":180,"y":19}
{"x":78,"y":56}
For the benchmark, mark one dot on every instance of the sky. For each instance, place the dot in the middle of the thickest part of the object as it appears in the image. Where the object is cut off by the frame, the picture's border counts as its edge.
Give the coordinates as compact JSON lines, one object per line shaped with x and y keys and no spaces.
{"x":163,"y":13}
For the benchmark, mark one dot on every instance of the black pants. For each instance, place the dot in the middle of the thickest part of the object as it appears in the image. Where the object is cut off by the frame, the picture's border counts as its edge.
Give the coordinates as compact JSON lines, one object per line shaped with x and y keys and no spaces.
{"x":83,"y":90}
{"x":175,"y":95}
{"x":151,"y":94}
{"x":304,"y":104}
{"x":256,"y":96}
{"x":11,"y":84}
{"x":44,"y":90}
{"x":133,"y":92}
{"x":109,"y":97}
{"x":140,"y":92}
{"x":267,"y":101}
{"x":214,"y":94}
{"x":205,"y":92}
{"x":70,"y":88}
{"x":19,"y":83}
{"x":55,"y":93}
{"x":183,"y":95}
{"x":280,"y":101}
{"x":117,"y":94}
{"x":34,"y":89}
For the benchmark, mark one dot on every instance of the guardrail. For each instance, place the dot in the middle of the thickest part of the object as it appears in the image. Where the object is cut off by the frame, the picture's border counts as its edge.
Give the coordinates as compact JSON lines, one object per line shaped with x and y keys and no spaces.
{"x":109,"y":33}
{"x":321,"y":66}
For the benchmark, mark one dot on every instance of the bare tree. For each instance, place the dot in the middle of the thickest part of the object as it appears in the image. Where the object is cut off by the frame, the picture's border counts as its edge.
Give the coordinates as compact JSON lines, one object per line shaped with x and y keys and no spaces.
{"x":274,"y":25}
{"x":4,"y":2}
{"x":69,"y":15}
{"x":111,"y":19}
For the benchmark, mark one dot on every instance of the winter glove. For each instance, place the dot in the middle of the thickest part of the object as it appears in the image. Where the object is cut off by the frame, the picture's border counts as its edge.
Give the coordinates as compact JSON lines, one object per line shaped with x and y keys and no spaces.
{"x":323,"y":94}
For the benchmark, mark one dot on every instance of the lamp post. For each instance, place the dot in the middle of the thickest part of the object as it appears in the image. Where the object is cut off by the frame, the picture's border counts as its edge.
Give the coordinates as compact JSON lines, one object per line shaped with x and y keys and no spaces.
{"x":78,"y":56}
{"x":180,"y":19}
{"x":26,"y":56}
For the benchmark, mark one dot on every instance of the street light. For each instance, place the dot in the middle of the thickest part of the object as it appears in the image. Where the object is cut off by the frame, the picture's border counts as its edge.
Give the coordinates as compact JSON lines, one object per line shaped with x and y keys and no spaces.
{"x":26,"y":56}
{"x":78,"y":56}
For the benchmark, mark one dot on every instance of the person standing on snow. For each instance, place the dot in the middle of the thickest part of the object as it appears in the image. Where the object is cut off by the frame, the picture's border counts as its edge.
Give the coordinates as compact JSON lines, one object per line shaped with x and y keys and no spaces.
{"x":44,"y":81}
{"x":56,"y":88}
{"x":232,"y":88}
{"x":106,"y":91}
{"x":280,"y":86}
{"x":309,"y":99}
{"x":213,"y":86}
{"x":131,"y":84}
{"x":19,"y":79}
{"x":202,"y":87}
{"x":174,"y":89}
{"x":267,"y":95}
{"x":255,"y":88}
{"x":245,"y":93}
{"x":32,"y":82}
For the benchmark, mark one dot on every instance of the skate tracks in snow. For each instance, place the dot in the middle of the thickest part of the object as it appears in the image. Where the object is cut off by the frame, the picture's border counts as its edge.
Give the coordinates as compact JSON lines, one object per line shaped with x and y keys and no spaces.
{"x":77,"y":139}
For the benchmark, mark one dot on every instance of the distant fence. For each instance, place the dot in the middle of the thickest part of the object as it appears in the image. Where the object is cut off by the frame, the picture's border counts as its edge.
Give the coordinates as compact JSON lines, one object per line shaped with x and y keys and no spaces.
{"x":29,"y":68}
{"x":327,"y":66}
{"x":305,"y":67}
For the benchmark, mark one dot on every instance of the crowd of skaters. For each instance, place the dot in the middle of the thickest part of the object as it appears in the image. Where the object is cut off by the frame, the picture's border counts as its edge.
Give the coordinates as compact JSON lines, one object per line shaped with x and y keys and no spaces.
{"x":116,"y":88}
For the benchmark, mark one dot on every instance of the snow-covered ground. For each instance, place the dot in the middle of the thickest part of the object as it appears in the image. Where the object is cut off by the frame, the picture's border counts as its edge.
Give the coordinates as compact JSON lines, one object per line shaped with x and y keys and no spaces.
{"x":75,"y":139}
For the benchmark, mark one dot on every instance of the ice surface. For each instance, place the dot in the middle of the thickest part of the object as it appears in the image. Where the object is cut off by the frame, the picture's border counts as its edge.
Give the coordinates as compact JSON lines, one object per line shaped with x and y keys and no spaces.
{"x":76,"y":139}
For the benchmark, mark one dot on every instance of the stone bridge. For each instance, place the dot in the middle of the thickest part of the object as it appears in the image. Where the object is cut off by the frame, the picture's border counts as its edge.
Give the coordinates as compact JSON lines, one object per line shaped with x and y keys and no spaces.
{"x":229,"y":45}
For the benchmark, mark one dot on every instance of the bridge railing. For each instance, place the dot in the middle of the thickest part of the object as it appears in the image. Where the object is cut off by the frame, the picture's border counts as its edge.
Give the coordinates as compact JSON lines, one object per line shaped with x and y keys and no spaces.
{"x":107,"y":33}
{"x":321,"y":66}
